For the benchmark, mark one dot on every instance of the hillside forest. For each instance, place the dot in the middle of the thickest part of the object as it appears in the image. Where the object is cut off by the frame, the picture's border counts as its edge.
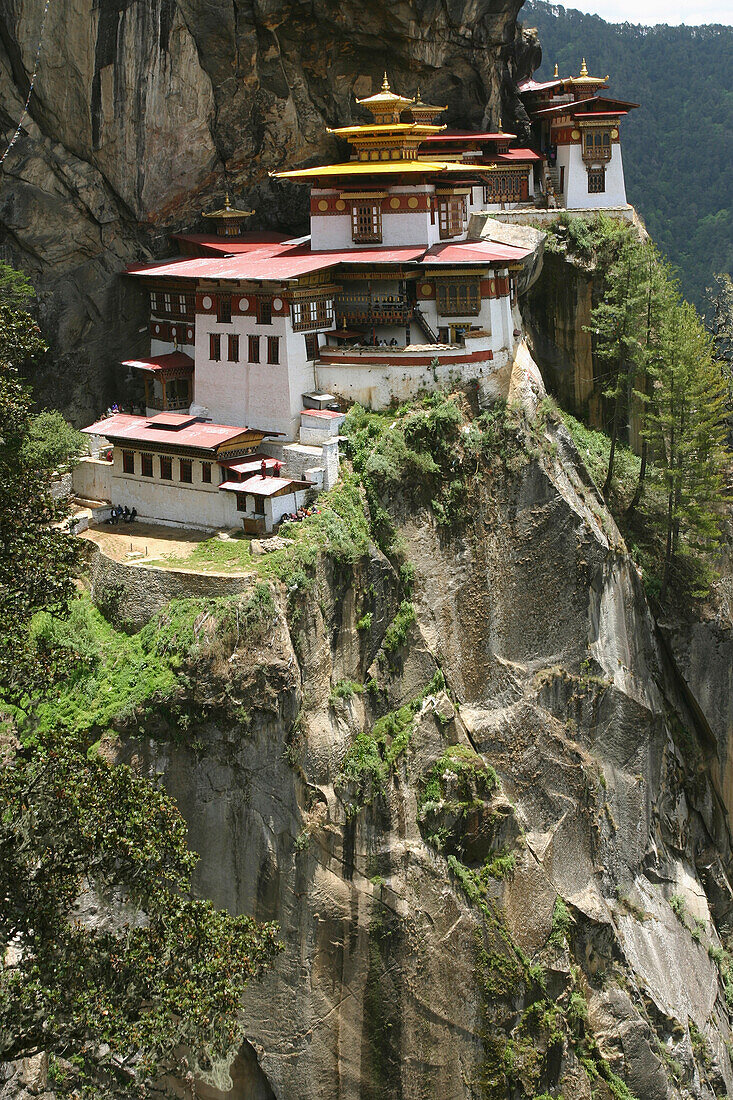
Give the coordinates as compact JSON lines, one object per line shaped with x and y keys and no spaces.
{"x":676,"y":147}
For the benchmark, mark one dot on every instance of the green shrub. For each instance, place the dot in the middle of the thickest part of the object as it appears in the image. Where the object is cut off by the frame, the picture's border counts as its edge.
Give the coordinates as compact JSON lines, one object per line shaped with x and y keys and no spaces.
{"x":397,"y":632}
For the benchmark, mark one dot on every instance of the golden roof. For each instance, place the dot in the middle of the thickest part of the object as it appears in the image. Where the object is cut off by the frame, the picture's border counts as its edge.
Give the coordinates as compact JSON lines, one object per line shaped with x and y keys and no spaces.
{"x":384,"y":168}
{"x":228,"y":211}
{"x":584,"y":78}
{"x":386,"y":100}
{"x":383,"y":128}
{"x":418,"y":104}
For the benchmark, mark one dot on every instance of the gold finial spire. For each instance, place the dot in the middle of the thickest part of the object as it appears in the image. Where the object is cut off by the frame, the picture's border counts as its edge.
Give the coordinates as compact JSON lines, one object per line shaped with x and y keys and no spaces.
{"x":556,"y":74}
{"x":385,"y":83}
{"x":227,"y":201}
{"x":584,"y":69}
{"x":501,"y":128}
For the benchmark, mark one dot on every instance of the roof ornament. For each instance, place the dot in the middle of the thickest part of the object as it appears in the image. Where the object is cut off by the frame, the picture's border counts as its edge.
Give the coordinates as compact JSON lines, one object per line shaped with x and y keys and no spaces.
{"x":385,"y":83}
{"x":584,"y":69}
{"x":556,"y":73}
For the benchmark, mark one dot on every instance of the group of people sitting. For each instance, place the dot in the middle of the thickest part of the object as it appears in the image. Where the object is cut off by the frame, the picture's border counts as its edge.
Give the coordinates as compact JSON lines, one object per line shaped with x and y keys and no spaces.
{"x":293,"y":517}
{"x":125,"y":514}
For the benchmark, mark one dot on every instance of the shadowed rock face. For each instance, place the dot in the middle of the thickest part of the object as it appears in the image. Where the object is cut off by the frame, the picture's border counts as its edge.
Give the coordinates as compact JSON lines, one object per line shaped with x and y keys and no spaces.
{"x":139,"y":104}
{"x":396,"y":981}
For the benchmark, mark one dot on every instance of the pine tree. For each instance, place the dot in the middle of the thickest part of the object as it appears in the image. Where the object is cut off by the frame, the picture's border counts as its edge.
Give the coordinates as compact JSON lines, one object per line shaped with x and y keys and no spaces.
{"x":686,"y":428}
{"x":617,"y":323}
{"x":660,"y":295}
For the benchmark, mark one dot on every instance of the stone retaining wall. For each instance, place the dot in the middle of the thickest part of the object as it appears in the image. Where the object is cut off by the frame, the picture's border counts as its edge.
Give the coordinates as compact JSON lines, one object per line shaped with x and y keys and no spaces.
{"x":129,"y":595}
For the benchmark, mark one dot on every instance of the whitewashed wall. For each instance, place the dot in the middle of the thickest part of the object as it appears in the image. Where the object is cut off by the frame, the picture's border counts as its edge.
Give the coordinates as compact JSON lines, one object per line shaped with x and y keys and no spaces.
{"x":576,"y":194}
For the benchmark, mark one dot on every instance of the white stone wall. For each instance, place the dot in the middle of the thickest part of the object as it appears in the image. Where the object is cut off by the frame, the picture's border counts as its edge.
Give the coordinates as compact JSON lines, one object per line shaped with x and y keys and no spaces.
{"x":333,"y":231}
{"x":258,"y":395}
{"x":91,"y":479}
{"x":197,"y":505}
{"x":576,"y":194}
{"x":376,"y":385}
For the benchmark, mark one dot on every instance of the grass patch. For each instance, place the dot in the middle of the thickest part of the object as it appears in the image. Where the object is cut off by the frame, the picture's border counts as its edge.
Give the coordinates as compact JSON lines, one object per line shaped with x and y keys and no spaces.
{"x":344,"y":689}
{"x":373,"y":755}
{"x":113,"y":673}
{"x":232,"y":555}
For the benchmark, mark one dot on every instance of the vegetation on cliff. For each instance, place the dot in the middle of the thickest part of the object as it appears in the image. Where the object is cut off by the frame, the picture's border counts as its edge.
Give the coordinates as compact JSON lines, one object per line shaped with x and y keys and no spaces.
{"x":664,"y":380}
{"x":114,"y":1002}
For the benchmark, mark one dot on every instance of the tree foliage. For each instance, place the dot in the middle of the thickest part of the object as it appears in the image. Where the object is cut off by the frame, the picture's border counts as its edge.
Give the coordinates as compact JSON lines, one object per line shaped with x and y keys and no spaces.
{"x":154,"y":985}
{"x":37,"y":557}
{"x":119,"y":1001}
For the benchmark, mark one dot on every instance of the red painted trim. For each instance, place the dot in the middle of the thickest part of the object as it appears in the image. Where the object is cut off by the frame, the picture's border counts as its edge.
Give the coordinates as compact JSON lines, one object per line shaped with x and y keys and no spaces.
{"x":403,"y":360}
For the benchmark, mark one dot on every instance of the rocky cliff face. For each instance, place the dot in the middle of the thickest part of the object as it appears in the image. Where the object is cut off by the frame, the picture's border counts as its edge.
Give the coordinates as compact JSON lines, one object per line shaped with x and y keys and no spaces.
{"x":503,"y":867}
{"x":140,"y":105}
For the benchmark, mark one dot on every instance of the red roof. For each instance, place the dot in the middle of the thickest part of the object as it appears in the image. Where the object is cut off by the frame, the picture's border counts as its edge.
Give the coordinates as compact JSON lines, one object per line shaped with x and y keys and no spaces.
{"x":252,"y":464}
{"x":448,"y":136}
{"x":474,"y":252}
{"x":379,"y":255}
{"x":538,"y":85}
{"x":580,"y":106}
{"x":172,"y":429}
{"x":266,"y":486}
{"x":230,"y":246}
{"x":270,"y":262}
{"x":513,"y":156}
{"x":323,"y":414}
{"x":172,"y":360}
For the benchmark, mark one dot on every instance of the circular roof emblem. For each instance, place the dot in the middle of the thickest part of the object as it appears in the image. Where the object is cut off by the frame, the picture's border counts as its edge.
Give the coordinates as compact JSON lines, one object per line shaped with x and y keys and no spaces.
{"x":426,"y":288}
{"x":394,"y":203}
{"x":190,"y":334}
{"x":244,"y":304}
{"x":206,"y":302}
{"x":323,"y":205}
{"x":340,"y":204}
{"x":277,"y":303}
{"x":412,"y":203}
{"x":157,"y":328}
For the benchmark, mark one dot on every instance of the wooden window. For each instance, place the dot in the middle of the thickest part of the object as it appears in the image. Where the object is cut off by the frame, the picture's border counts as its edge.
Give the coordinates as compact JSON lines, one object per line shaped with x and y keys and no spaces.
{"x":166,"y":303}
{"x":128,"y":462}
{"x":314,"y":314}
{"x":259,"y":505}
{"x":233,"y":348}
{"x":206,"y":473}
{"x":214,"y":347}
{"x":273,"y":349}
{"x":186,"y":471}
{"x":182,"y":308}
{"x":224,"y":309}
{"x":146,"y":463}
{"x":153,"y":301}
{"x":241,"y":502}
{"x":254,"y":349}
{"x":459,"y":297}
{"x":166,"y":468}
{"x":264,"y":311}
{"x":366,"y":222}
{"x":503,"y":187}
{"x":596,"y":181}
{"x":596,"y":145}
{"x":311,"y":345}
{"x":451,"y":215}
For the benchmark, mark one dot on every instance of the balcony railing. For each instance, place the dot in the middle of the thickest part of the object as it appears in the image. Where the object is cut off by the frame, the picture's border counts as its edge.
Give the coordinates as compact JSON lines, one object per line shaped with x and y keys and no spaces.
{"x":172,"y":403}
{"x":392,"y":309}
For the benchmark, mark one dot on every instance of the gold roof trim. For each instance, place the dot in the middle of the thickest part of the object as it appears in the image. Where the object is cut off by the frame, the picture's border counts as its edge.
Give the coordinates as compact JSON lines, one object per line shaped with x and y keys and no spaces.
{"x":382,"y":129}
{"x":228,"y":211}
{"x":584,"y":78}
{"x":386,"y":99}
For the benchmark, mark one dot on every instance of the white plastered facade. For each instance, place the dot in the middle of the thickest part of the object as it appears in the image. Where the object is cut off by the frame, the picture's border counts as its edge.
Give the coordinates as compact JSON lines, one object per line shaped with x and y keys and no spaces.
{"x":575,"y":192}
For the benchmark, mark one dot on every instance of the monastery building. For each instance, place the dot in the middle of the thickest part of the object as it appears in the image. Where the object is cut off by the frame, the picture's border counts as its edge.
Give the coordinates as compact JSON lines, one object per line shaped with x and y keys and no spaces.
{"x":257,"y":342}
